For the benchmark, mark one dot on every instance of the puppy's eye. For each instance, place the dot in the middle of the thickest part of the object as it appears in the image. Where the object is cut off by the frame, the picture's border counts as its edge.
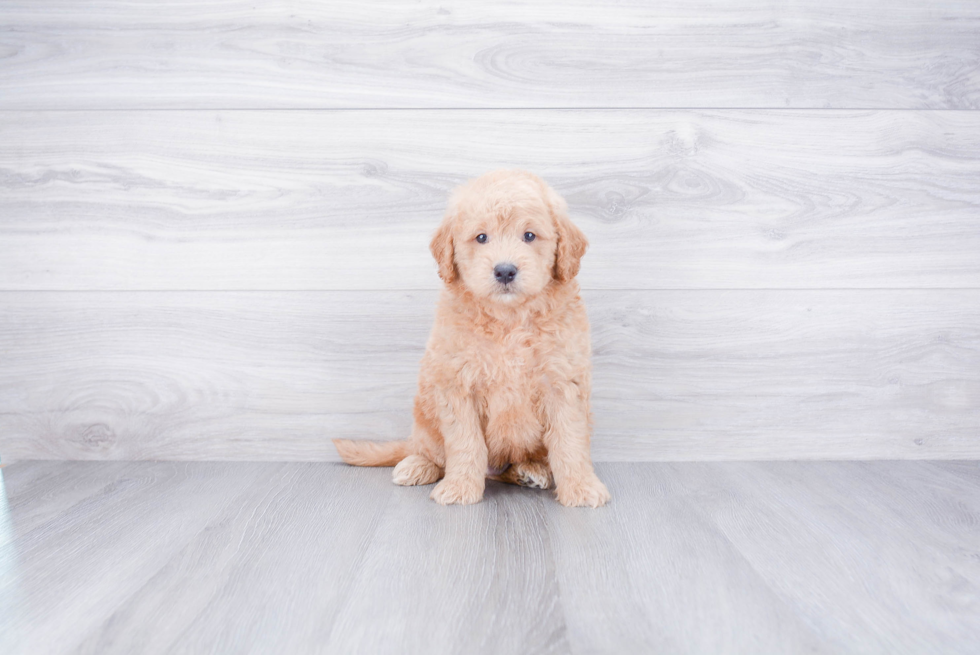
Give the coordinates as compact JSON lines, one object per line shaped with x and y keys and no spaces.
{"x":481,"y":238}
{"x":528,"y":237}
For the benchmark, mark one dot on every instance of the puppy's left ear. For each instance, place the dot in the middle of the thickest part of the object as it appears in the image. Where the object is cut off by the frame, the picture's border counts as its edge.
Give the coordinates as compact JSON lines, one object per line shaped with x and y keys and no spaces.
{"x":444,"y":250}
{"x":572,"y":243}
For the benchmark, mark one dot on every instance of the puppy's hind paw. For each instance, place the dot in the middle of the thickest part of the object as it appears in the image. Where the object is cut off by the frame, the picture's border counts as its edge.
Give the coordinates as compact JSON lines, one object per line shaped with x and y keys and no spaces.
{"x":415,"y":470}
{"x":534,"y":475}
{"x":583,"y":493}
{"x":458,"y":491}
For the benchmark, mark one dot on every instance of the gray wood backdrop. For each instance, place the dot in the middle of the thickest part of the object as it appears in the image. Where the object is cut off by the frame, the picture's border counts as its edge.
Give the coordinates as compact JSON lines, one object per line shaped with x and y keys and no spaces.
{"x":214,"y":218}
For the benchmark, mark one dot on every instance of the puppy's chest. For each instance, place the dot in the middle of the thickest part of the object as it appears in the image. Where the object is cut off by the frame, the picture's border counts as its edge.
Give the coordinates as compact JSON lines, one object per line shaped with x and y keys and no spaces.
{"x":513,"y":362}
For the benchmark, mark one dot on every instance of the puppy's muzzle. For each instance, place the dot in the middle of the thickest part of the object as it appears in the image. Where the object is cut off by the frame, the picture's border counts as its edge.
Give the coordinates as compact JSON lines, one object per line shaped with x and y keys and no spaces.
{"x":504,"y":273}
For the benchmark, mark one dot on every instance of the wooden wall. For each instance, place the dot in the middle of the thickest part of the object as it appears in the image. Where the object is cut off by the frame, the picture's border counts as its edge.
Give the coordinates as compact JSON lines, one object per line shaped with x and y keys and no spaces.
{"x":214,"y":218}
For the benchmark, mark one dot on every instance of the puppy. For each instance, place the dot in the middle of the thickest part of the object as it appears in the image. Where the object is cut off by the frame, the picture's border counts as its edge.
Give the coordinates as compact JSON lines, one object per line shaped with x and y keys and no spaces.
{"x":505,"y":381}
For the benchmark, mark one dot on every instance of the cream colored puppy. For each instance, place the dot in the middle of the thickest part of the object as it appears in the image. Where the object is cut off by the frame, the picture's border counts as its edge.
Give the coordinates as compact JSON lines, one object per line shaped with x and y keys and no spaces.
{"x":505,"y":381}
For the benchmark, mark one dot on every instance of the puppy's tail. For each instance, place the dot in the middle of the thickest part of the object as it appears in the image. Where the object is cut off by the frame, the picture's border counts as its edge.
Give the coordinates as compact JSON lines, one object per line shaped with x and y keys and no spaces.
{"x":370,"y":453}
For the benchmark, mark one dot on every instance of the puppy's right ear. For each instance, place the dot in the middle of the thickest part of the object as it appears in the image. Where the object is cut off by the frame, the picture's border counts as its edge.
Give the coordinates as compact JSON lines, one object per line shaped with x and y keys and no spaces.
{"x":444,"y":251}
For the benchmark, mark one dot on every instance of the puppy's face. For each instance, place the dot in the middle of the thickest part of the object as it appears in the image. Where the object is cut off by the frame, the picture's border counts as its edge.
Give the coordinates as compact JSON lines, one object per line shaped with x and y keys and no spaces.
{"x":506,"y":251}
{"x":506,"y":237}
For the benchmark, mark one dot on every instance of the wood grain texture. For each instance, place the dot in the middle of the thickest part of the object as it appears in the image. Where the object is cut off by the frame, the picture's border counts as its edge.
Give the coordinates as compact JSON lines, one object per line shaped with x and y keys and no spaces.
{"x":268,"y":574}
{"x":59,"y":489}
{"x":96,"y":554}
{"x":788,"y":557}
{"x":678,"y":374}
{"x":348,"y":200}
{"x":820,"y":512}
{"x":650,"y":574}
{"x":437,"y":581}
{"x":548,"y":53}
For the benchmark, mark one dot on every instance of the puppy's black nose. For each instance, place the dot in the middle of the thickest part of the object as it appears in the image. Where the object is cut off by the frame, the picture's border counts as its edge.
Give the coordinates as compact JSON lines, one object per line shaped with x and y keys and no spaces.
{"x":505,"y":273}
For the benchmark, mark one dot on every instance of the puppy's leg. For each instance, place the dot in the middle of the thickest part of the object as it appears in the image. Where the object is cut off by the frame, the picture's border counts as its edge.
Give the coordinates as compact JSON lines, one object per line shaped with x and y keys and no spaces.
{"x":535,"y":475}
{"x":466,"y":453}
{"x":416,"y":470}
{"x":567,"y":439}
{"x":421,"y":466}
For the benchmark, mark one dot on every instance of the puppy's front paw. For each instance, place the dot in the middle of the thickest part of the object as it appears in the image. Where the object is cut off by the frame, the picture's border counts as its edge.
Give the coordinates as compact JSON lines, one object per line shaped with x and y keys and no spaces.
{"x":583,"y":493}
{"x":415,"y":469}
{"x":458,"y":491}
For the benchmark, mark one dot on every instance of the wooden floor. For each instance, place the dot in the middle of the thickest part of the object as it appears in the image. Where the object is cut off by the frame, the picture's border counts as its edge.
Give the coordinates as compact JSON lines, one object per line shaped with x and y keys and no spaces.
{"x":837,"y":557}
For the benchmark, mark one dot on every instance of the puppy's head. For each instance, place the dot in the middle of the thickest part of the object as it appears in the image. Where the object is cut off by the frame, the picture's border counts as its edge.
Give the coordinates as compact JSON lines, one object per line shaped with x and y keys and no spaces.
{"x":506,"y":236}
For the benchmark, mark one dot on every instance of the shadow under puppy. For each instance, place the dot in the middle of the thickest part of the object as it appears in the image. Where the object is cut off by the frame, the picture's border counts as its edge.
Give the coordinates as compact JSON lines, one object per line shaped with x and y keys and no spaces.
{"x":505,"y":381}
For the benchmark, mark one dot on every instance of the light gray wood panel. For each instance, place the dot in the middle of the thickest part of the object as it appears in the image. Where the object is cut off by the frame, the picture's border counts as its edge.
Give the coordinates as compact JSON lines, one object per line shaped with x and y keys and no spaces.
{"x":678,"y":374}
{"x":788,"y":374}
{"x":90,"y":559}
{"x":788,"y":557}
{"x":234,"y":375}
{"x":546,"y":53}
{"x":651,"y":575}
{"x":880,"y":527}
{"x":267,"y":575}
{"x":968,"y":470}
{"x":59,"y":487}
{"x":349,"y":200}
{"x":439,"y":581}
